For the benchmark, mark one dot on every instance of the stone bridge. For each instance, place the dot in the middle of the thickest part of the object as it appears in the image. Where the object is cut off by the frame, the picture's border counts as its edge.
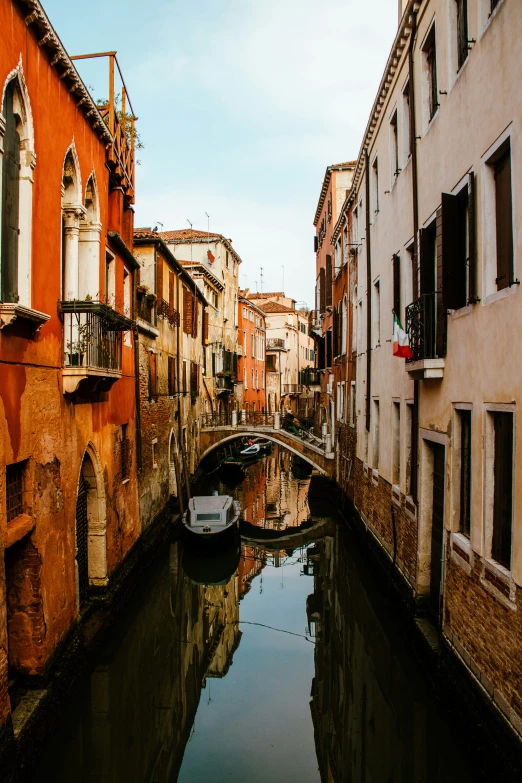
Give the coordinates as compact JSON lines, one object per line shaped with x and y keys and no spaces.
{"x":214,"y":435}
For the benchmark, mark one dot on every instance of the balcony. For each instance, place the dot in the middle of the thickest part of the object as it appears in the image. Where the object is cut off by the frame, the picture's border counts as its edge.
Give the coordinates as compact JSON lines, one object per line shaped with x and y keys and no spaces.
{"x":275,"y":344}
{"x":426,"y":329}
{"x":168,"y":313}
{"x":224,"y":383}
{"x":310,"y":377}
{"x":92,"y":346}
{"x":145,"y":304}
{"x":292,"y":388}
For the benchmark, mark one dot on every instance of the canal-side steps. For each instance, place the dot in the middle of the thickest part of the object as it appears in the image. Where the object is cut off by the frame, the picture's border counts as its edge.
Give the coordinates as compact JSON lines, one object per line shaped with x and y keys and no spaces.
{"x":219,"y":429}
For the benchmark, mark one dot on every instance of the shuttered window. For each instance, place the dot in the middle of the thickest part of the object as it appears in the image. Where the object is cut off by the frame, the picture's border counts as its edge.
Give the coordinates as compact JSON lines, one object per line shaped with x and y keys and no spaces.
{"x":454,"y":240}
{"x":504,"y":220}
{"x":465,"y":472}
{"x":328,"y":281}
{"x":472,"y":244}
{"x":440,"y":308}
{"x":503,"y":489}
{"x":329,"y":347}
{"x":171,"y":290}
{"x":430,"y":53}
{"x":397,"y":285}
{"x":10,"y":203}
{"x":190,"y":313}
{"x":171,"y":375}
{"x":205,"y":327}
{"x":462,"y":31}
{"x":322,"y":290}
{"x":153,"y":376}
{"x":185,"y":389}
{"x":194,"y":379}
{"x":316,"y":243}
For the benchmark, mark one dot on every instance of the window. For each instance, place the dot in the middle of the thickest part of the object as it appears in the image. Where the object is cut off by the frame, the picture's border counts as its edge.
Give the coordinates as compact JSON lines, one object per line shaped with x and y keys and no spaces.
{"x":464,"y":471}
{"x":397,"y":285}
{"x":375,"y":183}
{"x":245,"y":382}
{"x":226,"y":259}
{"x":257,"y":380}
{"x":377,"y":311}
{"x":430,"y":72}
{"x":110,"y":279}
{"x":262,"y":379}
{"x":252,"y":345}
{"x":353,"y":403}
{"x":185,"y":388}
{"x":270,"y":363}
{"x":14,"y":480}
{"x":253,"y":386}
{"x":16,"y":196}
{"x":406,"y":119}
{"x":396,"y":442}
{"x":153,"y":452}
{"x":503,"y":488}
{"x":410,"y":439}
{"x":124,"y":453}
{"x":457,"y":260}
{"x":462,"y":32}
{"x":194,"y":379}
{"x":171,"y":380}
{"x":394,"y":142}
{"x":375,"y":441}
{"x":127,"y":302}
{"x":504,"y":219}
{"x":153,"y":376}
{"x":245,"y":342}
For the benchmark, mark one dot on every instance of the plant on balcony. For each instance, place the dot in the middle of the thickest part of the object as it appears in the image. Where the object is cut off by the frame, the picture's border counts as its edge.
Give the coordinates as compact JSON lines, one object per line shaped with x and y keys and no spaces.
{"x":76,"y":349}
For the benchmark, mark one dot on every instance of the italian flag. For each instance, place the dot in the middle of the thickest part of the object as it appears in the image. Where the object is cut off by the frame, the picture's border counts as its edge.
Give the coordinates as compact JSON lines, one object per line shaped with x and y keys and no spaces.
{"x":401,"y":343}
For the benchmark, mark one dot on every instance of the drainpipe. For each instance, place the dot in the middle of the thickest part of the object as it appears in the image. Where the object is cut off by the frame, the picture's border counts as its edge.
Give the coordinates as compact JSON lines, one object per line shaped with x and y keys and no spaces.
{"x":415,"y":199}
{"x":137,"y":400}
{"x":368,"y":296}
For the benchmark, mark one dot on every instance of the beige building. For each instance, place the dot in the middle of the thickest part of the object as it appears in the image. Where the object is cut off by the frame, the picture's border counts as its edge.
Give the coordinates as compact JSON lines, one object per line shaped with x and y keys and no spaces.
{"x":433,"y":210}
{"x":213,"y":264}
{"x":289,"y":350}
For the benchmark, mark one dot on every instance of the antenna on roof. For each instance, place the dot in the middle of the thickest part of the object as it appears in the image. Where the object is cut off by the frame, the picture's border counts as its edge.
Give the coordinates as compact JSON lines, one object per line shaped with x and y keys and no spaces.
{"x":159,"y":223}
{"x":261,"y":284}
{"x":208,"y":228}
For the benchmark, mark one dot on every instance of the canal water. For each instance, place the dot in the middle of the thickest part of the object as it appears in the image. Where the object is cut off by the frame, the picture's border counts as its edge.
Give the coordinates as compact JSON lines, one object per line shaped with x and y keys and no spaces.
{"x":276,"y":659}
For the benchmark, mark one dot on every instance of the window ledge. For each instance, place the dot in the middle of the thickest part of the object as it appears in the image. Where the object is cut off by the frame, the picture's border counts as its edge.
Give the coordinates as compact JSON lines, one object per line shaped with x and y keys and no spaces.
{"x":462,"y":311}
{"x":461,"y":551}
{"x":10,"y":312}
{"x":146,"y":328}
{"x":18,"y":528}
{"x":498,"y":581}
{"x":510,"y":291}
{"x":426,"y":369}
{"x":88,"y":380}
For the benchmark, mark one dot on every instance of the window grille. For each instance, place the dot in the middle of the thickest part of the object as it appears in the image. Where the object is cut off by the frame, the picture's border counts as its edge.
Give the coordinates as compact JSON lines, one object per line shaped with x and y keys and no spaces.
{"x":14,"y":490}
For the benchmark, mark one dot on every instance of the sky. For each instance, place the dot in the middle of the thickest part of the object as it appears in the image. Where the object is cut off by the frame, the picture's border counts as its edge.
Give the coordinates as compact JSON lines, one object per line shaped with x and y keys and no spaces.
{"x":242,"y":104}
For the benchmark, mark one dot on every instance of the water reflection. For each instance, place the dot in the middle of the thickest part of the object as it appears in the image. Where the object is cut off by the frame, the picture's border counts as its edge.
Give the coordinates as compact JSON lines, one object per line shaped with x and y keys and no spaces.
{"x":207,"y":675}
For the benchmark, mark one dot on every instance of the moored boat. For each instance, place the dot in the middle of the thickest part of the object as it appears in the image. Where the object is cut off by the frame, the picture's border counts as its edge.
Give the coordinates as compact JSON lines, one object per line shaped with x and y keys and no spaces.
{"x":210,"y":516}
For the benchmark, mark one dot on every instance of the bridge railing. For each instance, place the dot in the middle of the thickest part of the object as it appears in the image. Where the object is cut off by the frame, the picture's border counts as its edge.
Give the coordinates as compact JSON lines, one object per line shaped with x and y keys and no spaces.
{"x":256,"y":418}
{"x":216,"y":419}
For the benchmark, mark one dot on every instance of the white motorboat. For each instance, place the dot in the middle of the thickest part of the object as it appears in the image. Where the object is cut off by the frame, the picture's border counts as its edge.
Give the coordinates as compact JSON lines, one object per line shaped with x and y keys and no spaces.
{"x":210,"y":515}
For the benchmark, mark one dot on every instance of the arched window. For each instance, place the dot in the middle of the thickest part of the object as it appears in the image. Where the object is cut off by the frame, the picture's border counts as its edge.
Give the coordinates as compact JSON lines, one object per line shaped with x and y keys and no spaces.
{"x":344,"y":330}
{"x":89,"y":244}
{"x":72,"y":211}
{"x":17,"y":161}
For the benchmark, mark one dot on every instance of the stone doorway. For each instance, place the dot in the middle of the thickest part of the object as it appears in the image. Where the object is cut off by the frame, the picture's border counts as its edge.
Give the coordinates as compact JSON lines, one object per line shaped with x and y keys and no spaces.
{"x":91,"y":528}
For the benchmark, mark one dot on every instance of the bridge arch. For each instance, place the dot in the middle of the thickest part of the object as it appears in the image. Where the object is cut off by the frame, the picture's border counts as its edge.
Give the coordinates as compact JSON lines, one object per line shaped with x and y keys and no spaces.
{"x":268,"y":436}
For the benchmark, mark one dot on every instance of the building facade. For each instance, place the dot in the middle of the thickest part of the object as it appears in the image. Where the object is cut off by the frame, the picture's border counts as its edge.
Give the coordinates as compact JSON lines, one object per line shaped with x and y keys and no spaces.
{"x":251,"y":364}
{"x":213,"y":263}
{"x":68,"y":480}
{"x":432,"y":214}
{"x":171,"y":322}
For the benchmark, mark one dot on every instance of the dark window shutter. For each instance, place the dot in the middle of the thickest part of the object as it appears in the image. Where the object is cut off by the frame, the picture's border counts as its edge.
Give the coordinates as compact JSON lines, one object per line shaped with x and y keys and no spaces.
{"x":171,"y":290}
{"x":322,"y":290}
{"x":316,"y":243}
{"x":153,"y":376}
{"x":321,"y":358}
{"x":187,"y":311}
{"x":503,"y":490}
{"x":10,"y":203}
{"x":440,"y":308}
{"x":328,"y":281}
{"x":329,"y":348}
{"x":462,"y":31}
{"x":195,"y":316}
{"x":504,"y":221}
{"x":205,"y":326}
{"x":427,"y":262}
{"x":185,"y":377}
{"x":472,"y":243}
{"x":159,"y":278}
{"x":453,"y":256}
{"x":397,"y":285}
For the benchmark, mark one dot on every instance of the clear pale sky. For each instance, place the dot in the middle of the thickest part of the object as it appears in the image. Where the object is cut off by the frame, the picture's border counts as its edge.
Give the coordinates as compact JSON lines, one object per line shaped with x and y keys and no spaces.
{"x":242,"y":104}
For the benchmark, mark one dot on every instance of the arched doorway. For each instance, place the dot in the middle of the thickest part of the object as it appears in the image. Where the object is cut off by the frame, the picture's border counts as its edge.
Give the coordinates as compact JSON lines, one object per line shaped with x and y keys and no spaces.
{"x":91,"y":528}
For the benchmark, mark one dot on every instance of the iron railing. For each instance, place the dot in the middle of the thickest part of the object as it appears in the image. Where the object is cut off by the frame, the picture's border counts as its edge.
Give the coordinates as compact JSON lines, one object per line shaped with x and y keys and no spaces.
{"x":275,"y":342}
{"x":310,"y":377}
{"x":420,"y":326}
{"x":93,"y":335}
{"x":292,"y":388}
{"x":223,"y":419}
{"x":168,"y":313}
{"x":224,"y":383}
{"x":255,"y":418}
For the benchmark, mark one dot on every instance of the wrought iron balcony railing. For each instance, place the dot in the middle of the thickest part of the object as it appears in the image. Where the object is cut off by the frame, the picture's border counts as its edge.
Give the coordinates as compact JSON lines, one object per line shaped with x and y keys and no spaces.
{"x":310,"y":377}
{"x":168,"y":313}
{"x":224,"y":383}
{"x":420,"y":326}
{"x":92,"y":340}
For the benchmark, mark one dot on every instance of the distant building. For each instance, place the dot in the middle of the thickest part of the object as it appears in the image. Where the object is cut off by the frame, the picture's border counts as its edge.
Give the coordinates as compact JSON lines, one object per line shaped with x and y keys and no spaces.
{"x":251,"y":367}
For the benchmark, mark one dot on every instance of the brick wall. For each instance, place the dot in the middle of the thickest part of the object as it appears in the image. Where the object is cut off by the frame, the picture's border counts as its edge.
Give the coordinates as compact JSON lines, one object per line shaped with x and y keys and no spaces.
{"x":487,"y":635}
{"x":5,"y":707}
{"x":373,"y":499}
{"x":345,"y":451}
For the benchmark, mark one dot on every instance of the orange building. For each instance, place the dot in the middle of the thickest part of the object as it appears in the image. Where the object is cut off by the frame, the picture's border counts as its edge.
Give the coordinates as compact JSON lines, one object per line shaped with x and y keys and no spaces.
{"x":68,"y":487}
{"x":251,"y":364}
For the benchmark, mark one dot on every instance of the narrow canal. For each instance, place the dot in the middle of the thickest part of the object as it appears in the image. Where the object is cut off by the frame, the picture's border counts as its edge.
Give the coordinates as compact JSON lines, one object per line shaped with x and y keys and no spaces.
{"x":264,"y":662}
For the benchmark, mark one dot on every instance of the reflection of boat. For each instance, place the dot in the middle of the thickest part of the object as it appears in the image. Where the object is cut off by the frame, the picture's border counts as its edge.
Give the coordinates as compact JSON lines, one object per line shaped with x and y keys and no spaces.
{"x":210,"y":516}
{"x":206,"y":566}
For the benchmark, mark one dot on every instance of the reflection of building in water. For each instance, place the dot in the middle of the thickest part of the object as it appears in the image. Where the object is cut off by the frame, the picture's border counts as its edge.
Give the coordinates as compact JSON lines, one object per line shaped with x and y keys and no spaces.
{"x":251,"y":564}
{"x":138,"y":707}
{"x":373,"y":716}
{"x":222,"y":611}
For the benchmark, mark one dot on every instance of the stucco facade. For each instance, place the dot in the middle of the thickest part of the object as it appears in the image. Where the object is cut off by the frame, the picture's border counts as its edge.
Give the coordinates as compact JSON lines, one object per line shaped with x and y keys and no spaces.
{"x":69,"y":501}
{"x":251,"y":365}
